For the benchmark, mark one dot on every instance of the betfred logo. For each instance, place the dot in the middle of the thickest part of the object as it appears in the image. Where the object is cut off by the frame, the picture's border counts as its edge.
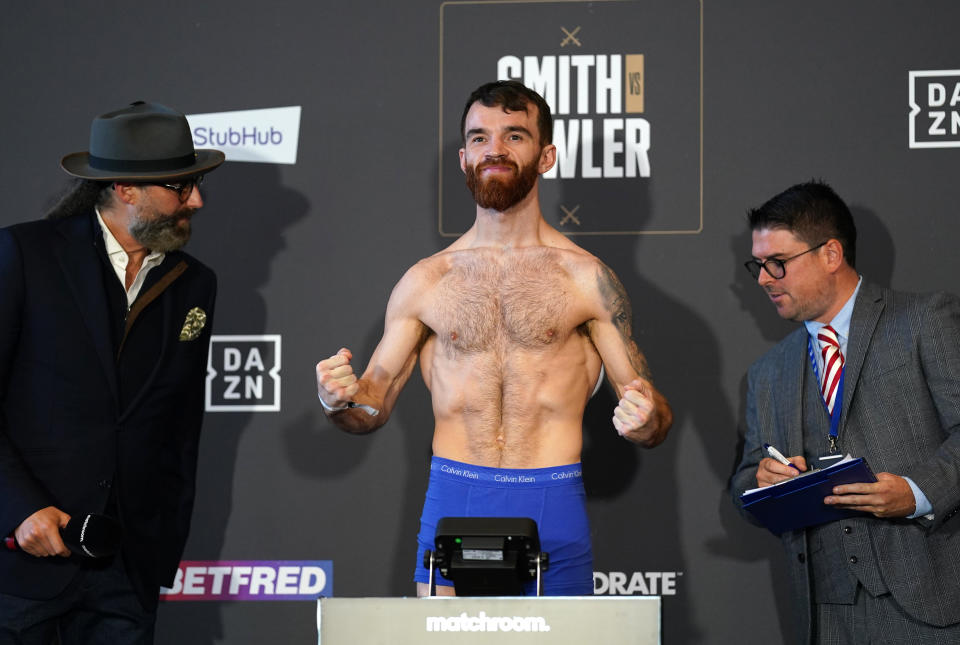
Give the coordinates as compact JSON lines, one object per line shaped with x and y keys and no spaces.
{"x":265,"y":136}
{"x":638,"y":583}
{"x":256,"y":580}
{"x":935,"y":109}
{"x":243,"y":373}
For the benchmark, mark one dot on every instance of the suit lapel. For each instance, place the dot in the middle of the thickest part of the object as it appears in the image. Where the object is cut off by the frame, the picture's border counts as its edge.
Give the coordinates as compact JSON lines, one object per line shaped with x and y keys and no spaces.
{"x":866,"y":313}
{"x":162,"y":278}
{"x":791,"y":381}
{"x":79,"y":261}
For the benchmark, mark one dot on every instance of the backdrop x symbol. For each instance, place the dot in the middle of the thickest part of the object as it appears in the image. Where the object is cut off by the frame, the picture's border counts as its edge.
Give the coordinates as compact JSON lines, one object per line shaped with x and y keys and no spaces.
{"x":569,"y":215}
{"x":571,"y":37}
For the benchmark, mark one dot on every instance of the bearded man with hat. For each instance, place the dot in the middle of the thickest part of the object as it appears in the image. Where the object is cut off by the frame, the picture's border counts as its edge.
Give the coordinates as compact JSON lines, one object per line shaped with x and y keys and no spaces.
{"x":104,"y":332}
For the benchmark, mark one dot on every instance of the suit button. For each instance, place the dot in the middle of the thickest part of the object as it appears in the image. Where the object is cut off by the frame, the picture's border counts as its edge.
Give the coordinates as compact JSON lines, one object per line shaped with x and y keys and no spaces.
{"x":853,"y":559}
{"x":801,"y":557}
{"x":847,"y":529}
{"x":104,"y":483}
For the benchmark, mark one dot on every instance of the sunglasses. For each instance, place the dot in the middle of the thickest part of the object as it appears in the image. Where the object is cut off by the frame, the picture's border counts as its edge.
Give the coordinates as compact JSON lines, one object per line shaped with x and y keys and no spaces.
{"x":183,"y":188}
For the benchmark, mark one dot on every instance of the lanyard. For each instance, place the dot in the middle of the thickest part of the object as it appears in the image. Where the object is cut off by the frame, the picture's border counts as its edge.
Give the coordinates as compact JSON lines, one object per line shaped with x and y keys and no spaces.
{"x":838,"y":401}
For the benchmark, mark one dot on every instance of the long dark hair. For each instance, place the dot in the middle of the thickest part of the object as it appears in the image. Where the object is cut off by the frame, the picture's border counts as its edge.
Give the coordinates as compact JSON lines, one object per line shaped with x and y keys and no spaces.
{"x":80,"y":196}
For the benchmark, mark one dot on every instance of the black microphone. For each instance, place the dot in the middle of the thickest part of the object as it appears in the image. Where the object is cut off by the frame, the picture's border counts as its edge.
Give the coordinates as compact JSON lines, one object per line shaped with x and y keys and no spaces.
{"x":90,"y":535}
{"x":95,"y":536}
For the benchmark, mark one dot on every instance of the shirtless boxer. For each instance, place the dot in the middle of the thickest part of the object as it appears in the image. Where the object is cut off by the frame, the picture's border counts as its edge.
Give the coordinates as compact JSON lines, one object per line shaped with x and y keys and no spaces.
{"x":512,"y":323}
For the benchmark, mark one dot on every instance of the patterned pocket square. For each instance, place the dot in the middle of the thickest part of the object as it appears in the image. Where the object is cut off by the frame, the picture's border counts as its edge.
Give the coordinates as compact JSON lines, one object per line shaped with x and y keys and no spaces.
{"x":193,"y":325}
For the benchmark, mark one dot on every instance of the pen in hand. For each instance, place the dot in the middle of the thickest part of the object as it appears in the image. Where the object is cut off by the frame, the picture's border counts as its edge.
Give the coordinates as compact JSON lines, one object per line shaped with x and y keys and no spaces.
{"x":773,"y":452}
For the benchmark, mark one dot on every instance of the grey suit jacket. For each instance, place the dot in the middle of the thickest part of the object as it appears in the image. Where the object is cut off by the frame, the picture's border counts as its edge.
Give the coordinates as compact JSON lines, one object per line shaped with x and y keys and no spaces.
{"x":901,"y":410}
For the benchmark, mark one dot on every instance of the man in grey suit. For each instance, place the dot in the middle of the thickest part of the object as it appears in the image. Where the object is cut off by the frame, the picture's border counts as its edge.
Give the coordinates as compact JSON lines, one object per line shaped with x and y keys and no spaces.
{"x":891,"y":572}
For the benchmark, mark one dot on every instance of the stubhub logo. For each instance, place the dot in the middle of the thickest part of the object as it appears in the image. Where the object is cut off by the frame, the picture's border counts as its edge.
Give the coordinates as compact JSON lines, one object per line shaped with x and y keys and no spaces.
{"x":269,"y":135}
{"x":251,"y":580}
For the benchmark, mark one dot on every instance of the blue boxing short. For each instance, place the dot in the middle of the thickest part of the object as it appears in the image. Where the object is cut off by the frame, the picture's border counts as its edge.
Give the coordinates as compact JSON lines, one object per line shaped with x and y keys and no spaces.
{"x":553,"y":497}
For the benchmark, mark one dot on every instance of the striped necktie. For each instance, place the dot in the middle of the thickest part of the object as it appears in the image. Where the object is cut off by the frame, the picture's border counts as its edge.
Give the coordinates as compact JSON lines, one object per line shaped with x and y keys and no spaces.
{"x":832,"y":365}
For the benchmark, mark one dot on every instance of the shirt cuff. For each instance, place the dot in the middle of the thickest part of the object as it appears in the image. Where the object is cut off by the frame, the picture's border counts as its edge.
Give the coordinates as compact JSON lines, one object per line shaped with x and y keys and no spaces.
{"x":924,"y":507}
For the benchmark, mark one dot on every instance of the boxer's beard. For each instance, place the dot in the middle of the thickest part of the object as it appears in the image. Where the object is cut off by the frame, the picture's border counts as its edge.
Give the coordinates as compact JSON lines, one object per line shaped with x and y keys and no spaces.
{"x":160,"y":232}
{"x":497,"y":192}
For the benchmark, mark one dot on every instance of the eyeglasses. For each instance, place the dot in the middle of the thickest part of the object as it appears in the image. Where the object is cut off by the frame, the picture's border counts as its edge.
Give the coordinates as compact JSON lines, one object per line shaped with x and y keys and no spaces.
{"x":184,"y":188}
{"x":775,"y":268}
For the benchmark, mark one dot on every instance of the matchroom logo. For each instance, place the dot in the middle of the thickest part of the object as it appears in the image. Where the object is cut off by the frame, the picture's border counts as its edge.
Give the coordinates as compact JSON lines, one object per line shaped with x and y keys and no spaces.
{"x":623,"y":79}
{"x":266,"y":136}
{"x":935,"y":109}
{"x":243,"y":374}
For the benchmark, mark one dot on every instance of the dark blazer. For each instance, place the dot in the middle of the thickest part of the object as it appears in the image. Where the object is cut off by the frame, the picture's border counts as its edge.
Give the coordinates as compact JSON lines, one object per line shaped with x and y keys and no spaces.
{"x":71,"y":435}
{"x":901,"y":410}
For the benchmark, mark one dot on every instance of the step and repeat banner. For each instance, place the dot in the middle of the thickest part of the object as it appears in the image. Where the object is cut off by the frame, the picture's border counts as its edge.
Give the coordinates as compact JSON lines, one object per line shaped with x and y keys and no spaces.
{"x":340,"y":125}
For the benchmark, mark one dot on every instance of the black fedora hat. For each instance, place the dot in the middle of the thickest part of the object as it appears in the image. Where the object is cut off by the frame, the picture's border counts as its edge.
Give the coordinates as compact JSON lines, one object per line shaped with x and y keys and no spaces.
{"x":141,"y":142}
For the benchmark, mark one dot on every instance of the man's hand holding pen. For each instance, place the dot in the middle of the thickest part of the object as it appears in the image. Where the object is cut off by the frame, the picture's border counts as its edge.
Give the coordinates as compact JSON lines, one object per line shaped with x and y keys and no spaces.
{"x":776,"y":467}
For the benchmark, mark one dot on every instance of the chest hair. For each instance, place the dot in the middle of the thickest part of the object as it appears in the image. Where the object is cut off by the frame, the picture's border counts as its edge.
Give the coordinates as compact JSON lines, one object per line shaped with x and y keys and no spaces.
{"x":490,"y":302}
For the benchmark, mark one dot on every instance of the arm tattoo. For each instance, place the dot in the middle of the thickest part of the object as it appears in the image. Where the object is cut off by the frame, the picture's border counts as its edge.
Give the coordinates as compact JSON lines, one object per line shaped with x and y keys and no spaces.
{"x":615,"y":300}
{"x":617,"y":304}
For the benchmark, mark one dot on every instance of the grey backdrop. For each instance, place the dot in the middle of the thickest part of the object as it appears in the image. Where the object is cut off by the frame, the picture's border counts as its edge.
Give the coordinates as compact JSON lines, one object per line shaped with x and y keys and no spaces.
{"x":791,"y":90}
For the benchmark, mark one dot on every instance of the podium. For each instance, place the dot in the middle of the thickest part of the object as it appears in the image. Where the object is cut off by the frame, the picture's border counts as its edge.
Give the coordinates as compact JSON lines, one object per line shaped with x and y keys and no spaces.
{"x":559,"y":620}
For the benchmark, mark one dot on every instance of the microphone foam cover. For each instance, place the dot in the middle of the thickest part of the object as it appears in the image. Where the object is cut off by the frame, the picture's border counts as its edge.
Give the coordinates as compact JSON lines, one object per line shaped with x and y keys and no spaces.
{"x":94,"y":536}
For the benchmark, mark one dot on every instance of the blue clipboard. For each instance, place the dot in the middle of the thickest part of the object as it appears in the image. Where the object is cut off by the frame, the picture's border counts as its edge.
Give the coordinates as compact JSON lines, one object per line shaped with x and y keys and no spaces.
{"x":797,"y":503}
